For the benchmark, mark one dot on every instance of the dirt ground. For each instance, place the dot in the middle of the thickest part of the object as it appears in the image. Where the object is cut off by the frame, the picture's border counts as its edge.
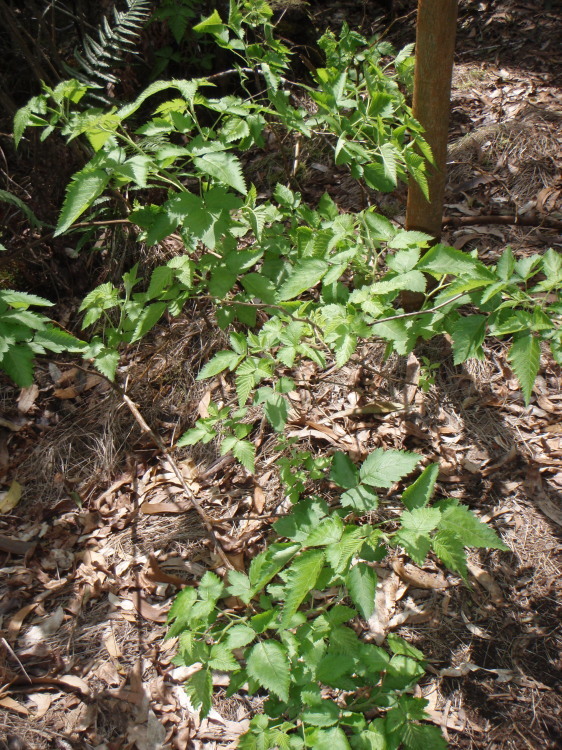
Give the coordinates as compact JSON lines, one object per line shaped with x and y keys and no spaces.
{"x":94,"y":552}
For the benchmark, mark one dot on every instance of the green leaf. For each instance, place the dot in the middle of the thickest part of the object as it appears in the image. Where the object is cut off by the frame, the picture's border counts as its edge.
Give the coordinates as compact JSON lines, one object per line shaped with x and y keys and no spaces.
{"x":301,"y":579}
{"x":404,"y":260}
{"x":525,"y":359}
{"x":442,"y":259}
{"x":277,"y":411}
{"x":239,"y":585}
{"x":161,"y":278}
{"x":416,"y":545}
{"x":17,"y":363}
{"x":267,"y":663}
{"x":330,"y":739}
{"x":7,"y":197}
{"x":413,"y":239}
{"x":418,"y":494}
{"x":223,"y":167}
{"x":343,"y":472}
{"x":384,"y":468}
{"x":56,"y":340}
{"x":413,"y":281}
{"x":80,"y":194}
{"x":239,"y":635}
{"x":399,"y":646}
{"x":450,"y":550}
{"x":199,"y":688}
{"x":422,"y":737}
{"x":245,"y":452}
{"x":460,"y":521}
{"x":148,"y":319}
{"x":221,"y":361}
{"x":468,"y":335}
{"x":222,"y":659}
{"x":22,"y":299}
{"x":328,"y":531}
{"x":106,"y":362}
{"x":259,"y":286}
{"x":362,"y":583}
{"x":362,"y":499}
{"x":323,"y":714}
{"x":305,"y":275}
{"x":420,"y":520}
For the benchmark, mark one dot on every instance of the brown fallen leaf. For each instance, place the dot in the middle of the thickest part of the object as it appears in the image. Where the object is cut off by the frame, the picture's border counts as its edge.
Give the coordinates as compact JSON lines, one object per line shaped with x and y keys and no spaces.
{"x":487,"y":582}
{"x":12,"y":705}
{"x":419,"y":578}
{"x":258,"y":499}
{"x":27,"y":398}
{"x":14,"y":626}
{"x":385,"y":602}
{"x":11,"y":497}
{"x":146,"y":610}
{"x":149,"y":509}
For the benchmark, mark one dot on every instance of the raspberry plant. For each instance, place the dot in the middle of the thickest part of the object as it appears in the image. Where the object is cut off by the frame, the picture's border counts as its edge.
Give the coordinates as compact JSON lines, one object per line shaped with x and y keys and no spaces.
{"x":289,"y":282}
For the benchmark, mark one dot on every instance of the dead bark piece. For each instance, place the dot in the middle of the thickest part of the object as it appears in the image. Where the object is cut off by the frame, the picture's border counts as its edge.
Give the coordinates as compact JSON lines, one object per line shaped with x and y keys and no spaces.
{"x":15,"y":546}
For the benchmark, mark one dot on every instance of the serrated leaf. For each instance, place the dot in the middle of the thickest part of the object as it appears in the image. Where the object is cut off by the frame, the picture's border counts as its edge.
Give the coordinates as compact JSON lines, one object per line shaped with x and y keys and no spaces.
{"x":245,"y":452}
{"x":224,"y":167}
{"x":450,"y":550}
{"x":362,"y":583}
{"x":422,"y":737}
{"x":420,"y":520}
{"x":328,"y":531}
{"x":222,"y":659}
{"x":331,"y":739}
{"x":525,"y":359}
{"x":326,"y":713}
{"x":80,"y":194}
{"x":409,"y":238}
{"x":399,"y":646}
{"x":460,"y":521}
{"x":362,"y":499}
{"x":239,"y":636}
{"x":58,"y":341}
{"x":418,"y":494}
{"x":199,"y":688}
{"x":339,"y":555}
{"x":468,"y":335}
{"x":106,"y":362}
{"x":276,"y":410}
{"x":443,"y":259}
{"x":221,"y":361}
{"x":384,"y":468}
{"x":343,"y":472}
{"x":413,"y":281}
{"x":161,"y":278}
{"x":301,"y":579}
{"x":22,"y":299}
{"x":404,"y":260}
{"x":239,"y":585}
{"x":259,"y":286}
{"x":416,"y":545}
{"x":267,"y":663}
{"x":305,"y":275}
{"x":148,"y":319}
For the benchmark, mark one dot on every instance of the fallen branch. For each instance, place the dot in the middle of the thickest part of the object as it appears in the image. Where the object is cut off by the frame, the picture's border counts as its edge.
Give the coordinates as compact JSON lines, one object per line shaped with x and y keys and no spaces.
{"x":531,"y":220}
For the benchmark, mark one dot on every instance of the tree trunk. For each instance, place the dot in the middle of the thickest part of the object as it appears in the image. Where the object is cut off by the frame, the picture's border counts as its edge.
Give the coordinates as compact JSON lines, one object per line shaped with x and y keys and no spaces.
{"x":435,"y":46}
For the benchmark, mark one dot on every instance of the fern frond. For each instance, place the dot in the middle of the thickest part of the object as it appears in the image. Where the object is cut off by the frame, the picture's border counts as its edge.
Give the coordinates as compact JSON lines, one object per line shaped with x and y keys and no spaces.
{"x":117,"y":37}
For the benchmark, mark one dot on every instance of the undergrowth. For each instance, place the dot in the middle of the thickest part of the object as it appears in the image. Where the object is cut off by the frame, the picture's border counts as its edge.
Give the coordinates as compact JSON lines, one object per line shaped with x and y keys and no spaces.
{"x":289,"y":282}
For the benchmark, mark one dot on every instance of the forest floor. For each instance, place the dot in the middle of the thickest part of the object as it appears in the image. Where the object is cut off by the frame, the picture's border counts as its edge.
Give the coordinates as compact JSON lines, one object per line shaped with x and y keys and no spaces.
{"x":94,"y":551}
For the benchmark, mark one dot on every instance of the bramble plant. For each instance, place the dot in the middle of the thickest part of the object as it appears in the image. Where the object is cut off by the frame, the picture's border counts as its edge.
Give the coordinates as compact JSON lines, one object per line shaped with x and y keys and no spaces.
{"x":288,"y":634}
{"x":289,"y":282}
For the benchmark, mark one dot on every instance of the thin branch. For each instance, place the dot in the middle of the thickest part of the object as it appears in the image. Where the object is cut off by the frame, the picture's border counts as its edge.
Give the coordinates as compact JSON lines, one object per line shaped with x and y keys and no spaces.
{"x":525,"y":221}
{"x":420,"y":312}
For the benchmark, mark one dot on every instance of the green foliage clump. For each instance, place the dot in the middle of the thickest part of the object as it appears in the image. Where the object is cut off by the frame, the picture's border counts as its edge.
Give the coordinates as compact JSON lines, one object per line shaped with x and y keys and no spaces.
{"x":291,"y":634}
